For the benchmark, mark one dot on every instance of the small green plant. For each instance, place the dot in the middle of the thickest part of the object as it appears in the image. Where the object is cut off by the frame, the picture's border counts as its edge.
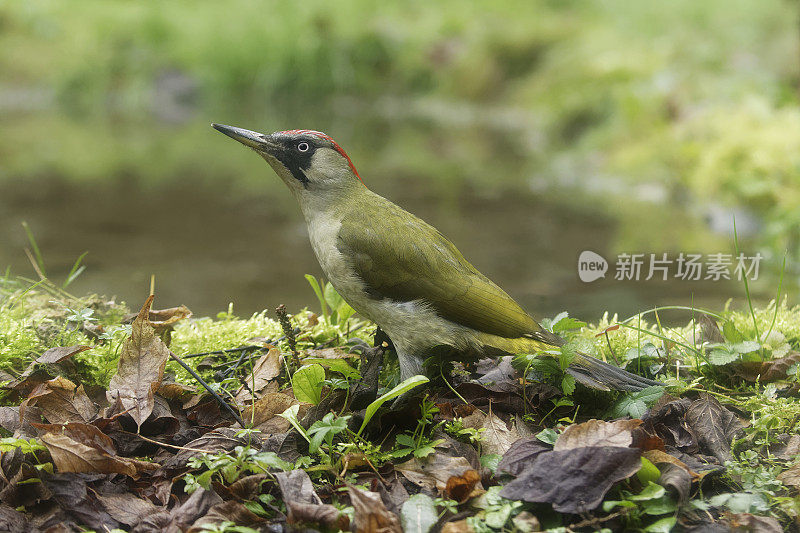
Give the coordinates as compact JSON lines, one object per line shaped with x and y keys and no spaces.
{"x":405,"y":386}
{"x":417,"y":443}
{"x":307,"y":382}
{"x":227,"y":467}
{"x":324,"y":430}
{"x":456,"y":429}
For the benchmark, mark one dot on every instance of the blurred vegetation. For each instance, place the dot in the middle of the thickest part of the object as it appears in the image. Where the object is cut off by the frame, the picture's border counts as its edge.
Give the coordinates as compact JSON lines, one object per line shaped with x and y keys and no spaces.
{"x":686,"y":102}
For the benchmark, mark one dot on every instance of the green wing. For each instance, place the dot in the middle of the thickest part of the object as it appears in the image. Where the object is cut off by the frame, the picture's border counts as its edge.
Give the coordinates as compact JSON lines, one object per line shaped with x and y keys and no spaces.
{"x":399,"y":256}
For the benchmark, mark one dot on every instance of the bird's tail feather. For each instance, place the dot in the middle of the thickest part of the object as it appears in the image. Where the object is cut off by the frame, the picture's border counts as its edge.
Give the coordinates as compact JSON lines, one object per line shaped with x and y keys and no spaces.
{"x":597,"y":374}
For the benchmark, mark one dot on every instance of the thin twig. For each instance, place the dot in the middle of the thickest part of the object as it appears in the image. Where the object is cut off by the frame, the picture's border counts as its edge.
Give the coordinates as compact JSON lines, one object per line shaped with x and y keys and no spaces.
{"x":206,"y":386}
{"x":223,"y":352}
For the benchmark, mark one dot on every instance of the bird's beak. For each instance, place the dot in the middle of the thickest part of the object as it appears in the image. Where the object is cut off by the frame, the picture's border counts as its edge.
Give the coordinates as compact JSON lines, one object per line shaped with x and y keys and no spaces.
{"x":253,"y":139}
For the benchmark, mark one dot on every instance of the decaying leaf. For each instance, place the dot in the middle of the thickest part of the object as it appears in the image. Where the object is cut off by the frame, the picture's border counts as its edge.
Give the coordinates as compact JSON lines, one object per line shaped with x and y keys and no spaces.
{"x":597,"y":433}
{"x":163,"y":320}
{"x":434,"y":471}
{"x":714,"y":426}
{"x":296,"y":486}
{"x":496,"y":437}
{"x":267,"y":368}
{"x":61,"y":401}
{"x":324,"y":514}
{"x":230,"y":511}
{"x":371,"y":515}
{"x":463,"y":487}
{"x":522,"y":453}
{"x":126,"y":507}
{"x":77,"y":447}
{"x":748,"y":523}
{"x":791,"y":476}
{"x":140,"y":368}
{"x":765,"y":371}
{"x":264,"y":413}
{"x":58,"y":354}
{"x":576,"y":480}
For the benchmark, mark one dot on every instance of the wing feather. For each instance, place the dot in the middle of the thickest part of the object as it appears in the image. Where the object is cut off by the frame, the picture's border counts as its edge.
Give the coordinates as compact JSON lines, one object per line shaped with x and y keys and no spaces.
{"x":398,"y":256}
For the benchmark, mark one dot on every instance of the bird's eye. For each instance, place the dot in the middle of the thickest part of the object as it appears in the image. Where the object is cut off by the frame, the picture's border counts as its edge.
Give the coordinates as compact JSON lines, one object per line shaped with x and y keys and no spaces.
{"x":303,"y":147}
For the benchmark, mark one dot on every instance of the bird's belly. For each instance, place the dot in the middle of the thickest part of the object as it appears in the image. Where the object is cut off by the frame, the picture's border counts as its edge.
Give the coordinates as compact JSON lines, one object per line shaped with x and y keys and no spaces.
{"x":411,"y":325}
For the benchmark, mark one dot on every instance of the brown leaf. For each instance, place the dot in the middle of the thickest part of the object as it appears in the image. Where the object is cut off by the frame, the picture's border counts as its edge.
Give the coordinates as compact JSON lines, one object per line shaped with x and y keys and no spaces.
{"x":575,"y":480}
{"x":434,"y":471}
{"x":173,"y":391}
{"x":248,"y":487}
{"x":62,"y":402}
{"x":597,"y":433}
{"x":232,"y":511}
{"x":77,"y":447}
{"x":267,"y":368}
{"x":197,"y":506}
{"x":676,"y":480}
{"x":521,"y":453}
{"x":709,"y":330}
{"x":765,"y":371}
{"x":459,"y":526}
{"x":12,"y":521}
{"x":745,"y":522}
{"x":371,"y":515}
{"x":267,"y":409}
{"x":296,"y":486}
{"x":126,"y":507}
{"x":497,"y":438}
{"x":56,"y":355}
{"x":140,"y":368}
{"x":324,"y":515}
{"x":714,"y":425}
{"x":461,"y":488}
{"x":791,"y":476}
{"x":329,"y":353}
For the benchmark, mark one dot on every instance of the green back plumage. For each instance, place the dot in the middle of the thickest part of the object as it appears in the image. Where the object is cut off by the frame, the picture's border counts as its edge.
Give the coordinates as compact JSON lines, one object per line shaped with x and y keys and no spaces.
{"x":399,"y":256}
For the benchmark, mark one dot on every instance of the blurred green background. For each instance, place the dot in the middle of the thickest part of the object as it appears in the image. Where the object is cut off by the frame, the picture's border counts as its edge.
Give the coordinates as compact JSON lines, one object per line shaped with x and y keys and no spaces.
{"x":527,"y":131}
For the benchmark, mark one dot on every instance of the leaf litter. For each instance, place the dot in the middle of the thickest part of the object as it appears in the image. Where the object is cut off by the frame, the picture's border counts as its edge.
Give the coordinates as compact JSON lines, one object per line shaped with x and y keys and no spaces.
{"x":153,"y":454}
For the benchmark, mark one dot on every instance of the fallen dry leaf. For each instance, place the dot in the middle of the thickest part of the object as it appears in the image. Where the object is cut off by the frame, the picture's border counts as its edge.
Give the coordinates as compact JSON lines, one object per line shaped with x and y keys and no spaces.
{"x":463,"y":487}
{"x":791,"y":476}
{"x":325,"y":515}
{"x":267,"y":368}
{"x":575,"y":480}
{"x":58,"y":354}
{"x":521,"y":453}
{"x":296,"y":486}
{"x":371,"y":515}
{"x":126,"y":507}
{"x":714,"y":426}
{"x":140,"y":368}
{"x":459,"y":526}
{"x":434,"y":471}
{"x":267,"y":409}
{"x":77,"y":447}
{"x":597,"y":433}
{"x":765,"y":371}
{"x":62,"y":402}
{"x":230,"y":511}
{"x":497,"y":438}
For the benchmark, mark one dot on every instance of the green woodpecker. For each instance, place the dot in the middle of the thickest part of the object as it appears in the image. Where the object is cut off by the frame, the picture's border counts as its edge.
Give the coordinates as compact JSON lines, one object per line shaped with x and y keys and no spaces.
{"x":400,"y":272}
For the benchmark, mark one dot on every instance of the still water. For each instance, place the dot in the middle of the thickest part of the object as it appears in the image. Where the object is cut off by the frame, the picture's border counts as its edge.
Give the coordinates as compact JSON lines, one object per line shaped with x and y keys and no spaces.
{"x":209,"y":242}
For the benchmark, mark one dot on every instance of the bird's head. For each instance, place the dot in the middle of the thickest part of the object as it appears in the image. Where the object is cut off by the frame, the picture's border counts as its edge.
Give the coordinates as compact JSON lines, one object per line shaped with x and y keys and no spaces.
{"x":308,"y":161}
